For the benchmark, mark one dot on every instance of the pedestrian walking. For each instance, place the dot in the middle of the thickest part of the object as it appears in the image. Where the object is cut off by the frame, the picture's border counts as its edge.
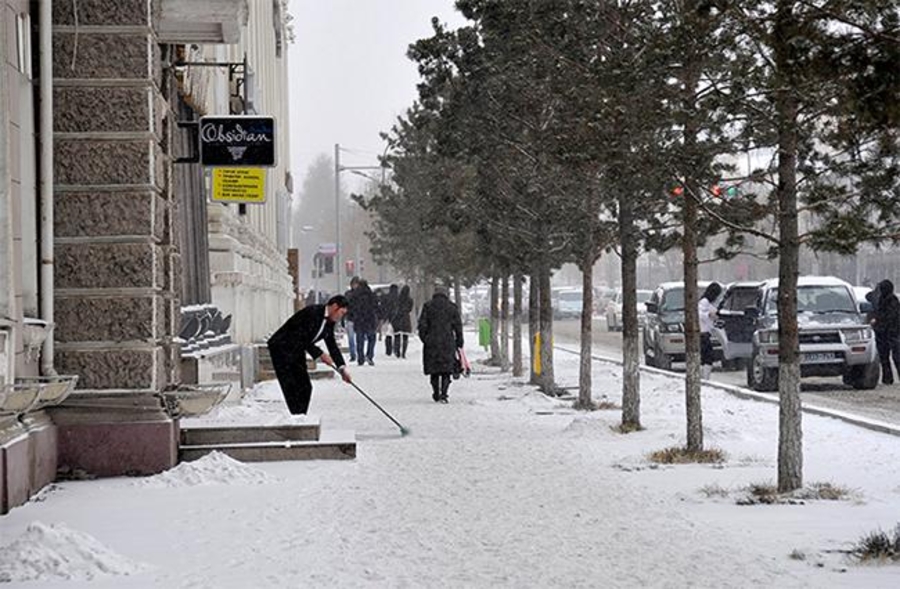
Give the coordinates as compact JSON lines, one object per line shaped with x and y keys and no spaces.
{"x":348,"y":323}
{"x":886,"y":323}
{"x":364,"y":314}
{"x":402,"y":322}
{"x":298,"y":336}
{"x":388,"y":308}
{"x":440,"y":329}
{"x":707,"y":311}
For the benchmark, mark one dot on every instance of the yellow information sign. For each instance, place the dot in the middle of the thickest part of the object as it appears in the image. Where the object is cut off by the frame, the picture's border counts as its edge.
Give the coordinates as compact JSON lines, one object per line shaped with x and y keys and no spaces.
{"x":246,"y":185}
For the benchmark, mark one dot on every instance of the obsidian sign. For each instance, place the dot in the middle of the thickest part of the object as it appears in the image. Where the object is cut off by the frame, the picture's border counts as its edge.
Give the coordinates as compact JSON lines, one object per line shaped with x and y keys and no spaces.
{"x":237,"y":141}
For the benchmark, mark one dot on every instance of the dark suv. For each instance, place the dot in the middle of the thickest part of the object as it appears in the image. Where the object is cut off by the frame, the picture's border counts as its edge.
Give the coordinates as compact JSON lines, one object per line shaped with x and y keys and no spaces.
{"x":663,"y":334}
{"x":834,"y":337}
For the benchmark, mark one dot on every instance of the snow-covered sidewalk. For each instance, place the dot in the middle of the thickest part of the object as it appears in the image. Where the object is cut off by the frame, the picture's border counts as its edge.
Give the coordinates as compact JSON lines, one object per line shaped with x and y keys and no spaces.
{"x":502,"y":487}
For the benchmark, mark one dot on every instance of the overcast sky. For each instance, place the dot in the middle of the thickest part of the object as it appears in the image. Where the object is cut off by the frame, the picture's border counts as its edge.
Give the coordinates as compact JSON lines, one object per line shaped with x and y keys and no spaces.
{"x":350,"y":78}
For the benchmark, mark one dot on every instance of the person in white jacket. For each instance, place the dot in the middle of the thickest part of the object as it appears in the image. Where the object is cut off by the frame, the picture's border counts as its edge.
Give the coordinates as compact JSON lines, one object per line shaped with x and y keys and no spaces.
{"x":707,"y":312}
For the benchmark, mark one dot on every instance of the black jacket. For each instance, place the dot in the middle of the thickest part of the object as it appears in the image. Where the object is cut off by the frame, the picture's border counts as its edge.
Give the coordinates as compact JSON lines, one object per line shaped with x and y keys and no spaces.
{"x":440,"y":329}
{"x":887,"y":309}
{"x":363,"y":310}
{"x":402,"y":322}
{"x":301,"y":332}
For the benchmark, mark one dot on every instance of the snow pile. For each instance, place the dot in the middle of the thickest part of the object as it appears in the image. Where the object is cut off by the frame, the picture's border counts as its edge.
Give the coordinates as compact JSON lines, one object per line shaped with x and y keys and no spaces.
{"x":214,"y":468}
{"x":46,"y":552}
{"x":588,"y":426}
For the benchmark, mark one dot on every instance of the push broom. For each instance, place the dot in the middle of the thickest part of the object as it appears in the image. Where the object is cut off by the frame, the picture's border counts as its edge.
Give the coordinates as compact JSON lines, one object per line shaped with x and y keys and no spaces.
{"x":403,"y":430}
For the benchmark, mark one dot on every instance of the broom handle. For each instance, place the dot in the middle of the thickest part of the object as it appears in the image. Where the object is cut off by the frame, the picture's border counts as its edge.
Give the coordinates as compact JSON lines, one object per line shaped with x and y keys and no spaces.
{"x":372,"y":401}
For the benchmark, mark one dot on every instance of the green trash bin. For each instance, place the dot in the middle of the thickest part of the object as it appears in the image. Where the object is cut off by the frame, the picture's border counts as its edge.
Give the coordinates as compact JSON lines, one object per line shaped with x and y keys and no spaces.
{"x":484,"y":333}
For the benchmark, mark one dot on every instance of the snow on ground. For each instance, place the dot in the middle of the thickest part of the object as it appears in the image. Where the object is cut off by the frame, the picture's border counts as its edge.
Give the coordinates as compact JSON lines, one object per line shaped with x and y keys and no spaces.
{"x":502,"y":487}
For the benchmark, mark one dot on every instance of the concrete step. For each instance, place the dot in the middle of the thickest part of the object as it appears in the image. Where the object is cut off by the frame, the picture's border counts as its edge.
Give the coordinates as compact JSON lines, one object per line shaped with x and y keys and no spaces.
{"x":244,"y":434}
{"x":337,"y":445}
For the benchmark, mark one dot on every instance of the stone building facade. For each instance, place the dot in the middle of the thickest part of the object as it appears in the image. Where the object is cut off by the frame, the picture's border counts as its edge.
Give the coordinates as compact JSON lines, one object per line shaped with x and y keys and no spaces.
{"x":137,"y":250}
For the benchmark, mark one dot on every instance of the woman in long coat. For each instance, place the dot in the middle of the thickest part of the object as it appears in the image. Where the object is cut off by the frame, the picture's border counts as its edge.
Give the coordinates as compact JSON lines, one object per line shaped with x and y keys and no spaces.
{"x":440,"y":329}
{"x":402,"y":322}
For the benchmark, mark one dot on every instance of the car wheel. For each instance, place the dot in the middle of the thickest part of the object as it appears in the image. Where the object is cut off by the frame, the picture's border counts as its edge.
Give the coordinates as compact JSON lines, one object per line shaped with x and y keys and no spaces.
{"x":663,"y":361}
{"x":760,"y":377}
{"x":863,"y":376}
{"x":732,"y":365}
{"x":648,"y":359}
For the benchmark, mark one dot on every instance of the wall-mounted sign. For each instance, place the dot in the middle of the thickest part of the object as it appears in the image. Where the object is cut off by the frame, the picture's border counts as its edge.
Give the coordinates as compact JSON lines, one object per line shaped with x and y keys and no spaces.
{"x":247,"y":185}
{"x":237,"y":141}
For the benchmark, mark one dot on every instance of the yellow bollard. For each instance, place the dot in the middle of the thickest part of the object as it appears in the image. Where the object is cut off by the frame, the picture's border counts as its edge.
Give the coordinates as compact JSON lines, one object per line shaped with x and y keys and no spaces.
{"x":537,"y":354}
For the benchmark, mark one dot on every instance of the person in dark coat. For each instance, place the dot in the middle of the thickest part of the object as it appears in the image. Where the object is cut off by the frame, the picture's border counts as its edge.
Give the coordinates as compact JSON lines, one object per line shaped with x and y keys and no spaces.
{"x":440,"y":329}
{"x":886,"y":323}
{"x":402,"y":322}
{"x":364,"y":315}
{"x":348,"y":323}
{"x":387,"y":309}
{"x":299,"y":334}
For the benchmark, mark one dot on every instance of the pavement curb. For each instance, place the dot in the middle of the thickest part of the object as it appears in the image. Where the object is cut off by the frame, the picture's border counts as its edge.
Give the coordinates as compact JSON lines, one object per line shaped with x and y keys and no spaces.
{"x":864,"y":422}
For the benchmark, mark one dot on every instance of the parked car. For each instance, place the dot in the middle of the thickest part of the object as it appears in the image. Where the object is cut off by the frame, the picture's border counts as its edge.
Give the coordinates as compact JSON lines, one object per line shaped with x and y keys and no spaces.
{"x":614,"y":309}
{"x":663,"y":333}
{"x":568,"y":304}
{"x":834,"y":337}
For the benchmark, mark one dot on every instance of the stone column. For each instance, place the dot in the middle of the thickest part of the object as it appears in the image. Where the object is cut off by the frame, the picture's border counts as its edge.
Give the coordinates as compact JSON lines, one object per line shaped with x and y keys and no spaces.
{"x":116,"y":263}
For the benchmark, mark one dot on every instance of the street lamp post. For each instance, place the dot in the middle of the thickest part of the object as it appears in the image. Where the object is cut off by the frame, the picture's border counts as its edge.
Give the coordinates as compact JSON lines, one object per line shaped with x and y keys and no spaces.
{"x":338,"y":168}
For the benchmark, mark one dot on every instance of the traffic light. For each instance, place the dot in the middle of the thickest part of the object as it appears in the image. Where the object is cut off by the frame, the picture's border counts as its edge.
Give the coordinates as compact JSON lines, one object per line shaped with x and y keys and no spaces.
{"x":348,"y":267}
{"x":678,"y":191}
{"x":362,"y":267}
{"x":327,"y":264}
{"x":727,"y":192}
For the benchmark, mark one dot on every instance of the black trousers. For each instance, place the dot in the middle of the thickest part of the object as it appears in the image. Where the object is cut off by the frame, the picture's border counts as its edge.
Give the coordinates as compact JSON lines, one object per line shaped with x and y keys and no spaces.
{"x":290,"y":369}
{"x":440,"y":384}
{"x":706,"y":349}
{"x":888,"y":346}
{"x":401,"y":343}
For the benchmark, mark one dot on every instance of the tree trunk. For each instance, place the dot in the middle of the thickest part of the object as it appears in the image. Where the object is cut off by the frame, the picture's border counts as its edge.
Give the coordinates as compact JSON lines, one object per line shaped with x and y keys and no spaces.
{"x":548,"y":385}
{"x":691,"y":324}
{"x":790,"y":438}
{"x":692,"y":192}
{"x":587,"y":316}
{"x":495,"y":321}
{"x":517,"y":325}
{"x":534,"y":325}
{"x":504,"y":323}
{"x":631,"y":376}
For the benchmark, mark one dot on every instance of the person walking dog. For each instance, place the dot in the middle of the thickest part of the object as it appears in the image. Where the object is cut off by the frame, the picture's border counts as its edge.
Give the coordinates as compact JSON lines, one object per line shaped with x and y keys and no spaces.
{"x":440,"y":329}
{"x":298,"y":336}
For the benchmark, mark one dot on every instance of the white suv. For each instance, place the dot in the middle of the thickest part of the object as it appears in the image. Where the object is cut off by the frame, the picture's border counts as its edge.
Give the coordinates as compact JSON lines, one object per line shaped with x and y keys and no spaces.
{"x":834,"y":338}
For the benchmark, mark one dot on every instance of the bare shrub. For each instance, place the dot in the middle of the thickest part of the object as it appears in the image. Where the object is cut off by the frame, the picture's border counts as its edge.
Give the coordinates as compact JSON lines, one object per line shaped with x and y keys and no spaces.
{"x":679,"y":455}
{"x":714,"y":490}
{"x":879,"y":547}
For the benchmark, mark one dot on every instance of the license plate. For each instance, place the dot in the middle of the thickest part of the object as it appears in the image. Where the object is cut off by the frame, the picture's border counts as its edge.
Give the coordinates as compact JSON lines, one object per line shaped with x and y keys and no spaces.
{"x":814,"y":357}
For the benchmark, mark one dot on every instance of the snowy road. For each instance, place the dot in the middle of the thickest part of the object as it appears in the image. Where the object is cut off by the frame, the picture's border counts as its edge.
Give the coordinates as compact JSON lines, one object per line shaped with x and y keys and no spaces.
{"x":882,"y":403}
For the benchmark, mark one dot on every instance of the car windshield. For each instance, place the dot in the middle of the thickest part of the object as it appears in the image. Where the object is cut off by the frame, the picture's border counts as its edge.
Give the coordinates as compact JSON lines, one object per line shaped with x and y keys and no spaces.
{"x":570,"y":296}
{"x":817,"y":299}
{"x":644,"y":295}
{"x":673,"y":300}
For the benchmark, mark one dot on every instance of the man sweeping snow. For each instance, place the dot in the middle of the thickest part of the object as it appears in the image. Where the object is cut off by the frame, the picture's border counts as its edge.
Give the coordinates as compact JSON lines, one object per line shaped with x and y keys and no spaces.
{"x":299,"y":334}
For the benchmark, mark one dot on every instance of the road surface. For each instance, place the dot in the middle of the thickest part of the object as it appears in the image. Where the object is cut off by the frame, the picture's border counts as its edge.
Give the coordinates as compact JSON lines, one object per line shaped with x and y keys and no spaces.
{"x":882,"y":403}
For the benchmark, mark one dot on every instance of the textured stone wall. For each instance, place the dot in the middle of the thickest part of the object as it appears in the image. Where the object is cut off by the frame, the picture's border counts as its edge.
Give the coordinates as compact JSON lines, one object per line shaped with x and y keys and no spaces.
{"x":116,"y":262}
